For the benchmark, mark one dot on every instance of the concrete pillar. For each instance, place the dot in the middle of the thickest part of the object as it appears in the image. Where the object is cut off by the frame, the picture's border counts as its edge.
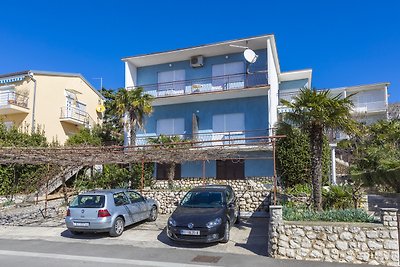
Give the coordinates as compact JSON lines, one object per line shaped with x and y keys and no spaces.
{"x":333,"y":163}
{"x":389,"y":217}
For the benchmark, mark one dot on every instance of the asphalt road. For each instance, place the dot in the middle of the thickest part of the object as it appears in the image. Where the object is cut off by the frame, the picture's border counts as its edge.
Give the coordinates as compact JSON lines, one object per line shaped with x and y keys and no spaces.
{"x":35,"y":253}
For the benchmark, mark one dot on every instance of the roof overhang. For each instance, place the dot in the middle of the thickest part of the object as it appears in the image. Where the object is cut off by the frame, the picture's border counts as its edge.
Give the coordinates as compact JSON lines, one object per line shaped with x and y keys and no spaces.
{"x":208,"y":50}
{"x":296,"y":75}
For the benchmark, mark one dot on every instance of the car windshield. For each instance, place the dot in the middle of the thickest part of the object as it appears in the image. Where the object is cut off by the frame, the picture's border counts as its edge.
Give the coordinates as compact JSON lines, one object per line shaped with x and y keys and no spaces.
{"x":88,"y":201}
{"x":202,"y":199}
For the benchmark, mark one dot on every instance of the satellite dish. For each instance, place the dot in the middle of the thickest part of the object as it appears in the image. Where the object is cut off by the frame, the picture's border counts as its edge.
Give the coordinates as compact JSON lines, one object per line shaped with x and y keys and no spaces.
{"x":250,"y":55}
{"x":100,"y":108}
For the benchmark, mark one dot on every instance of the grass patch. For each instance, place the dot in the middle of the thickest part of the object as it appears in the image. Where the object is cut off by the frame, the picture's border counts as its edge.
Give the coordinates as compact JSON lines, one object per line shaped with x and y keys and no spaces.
{"x":345,"y":215}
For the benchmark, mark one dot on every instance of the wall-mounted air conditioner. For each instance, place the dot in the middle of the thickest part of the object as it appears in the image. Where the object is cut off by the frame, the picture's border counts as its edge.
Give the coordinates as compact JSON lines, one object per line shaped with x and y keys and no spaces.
{"x":196,"y":61}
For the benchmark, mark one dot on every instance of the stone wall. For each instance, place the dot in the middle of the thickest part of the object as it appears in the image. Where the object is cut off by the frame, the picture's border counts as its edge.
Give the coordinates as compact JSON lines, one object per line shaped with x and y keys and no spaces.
{"x":368,"y":243}
{"x":254,"y":194}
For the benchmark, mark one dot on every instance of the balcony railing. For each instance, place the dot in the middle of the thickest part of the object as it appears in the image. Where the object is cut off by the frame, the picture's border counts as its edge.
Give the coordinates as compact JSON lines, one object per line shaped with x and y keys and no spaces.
{"x":74,"y":115}
{"x":206,"y":85}
{"x":370,"y":106}
{"x":13,"y":98}
{"x":229,"y":138}
{"x":358,"y":106}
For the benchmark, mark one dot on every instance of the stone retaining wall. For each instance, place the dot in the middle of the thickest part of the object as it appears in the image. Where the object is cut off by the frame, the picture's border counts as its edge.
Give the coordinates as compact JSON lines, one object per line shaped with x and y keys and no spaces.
{"x":254,"y":194}
{"x":371,"y":243}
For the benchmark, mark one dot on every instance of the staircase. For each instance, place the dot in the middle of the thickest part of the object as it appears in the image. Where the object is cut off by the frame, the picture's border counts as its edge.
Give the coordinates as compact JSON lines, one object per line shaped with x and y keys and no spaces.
{"x":54,"y":183}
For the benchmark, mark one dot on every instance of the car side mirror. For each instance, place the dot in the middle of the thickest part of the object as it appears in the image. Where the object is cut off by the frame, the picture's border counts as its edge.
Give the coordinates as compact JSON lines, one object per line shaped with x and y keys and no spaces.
{"x":176,"y":203}
{"x":231,"y":205}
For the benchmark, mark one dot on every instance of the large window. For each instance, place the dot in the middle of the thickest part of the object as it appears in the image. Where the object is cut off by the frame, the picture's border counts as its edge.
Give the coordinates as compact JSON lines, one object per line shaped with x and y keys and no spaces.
{"x":228,"y":74}
{"x":171,"y":80}
{"x":171,"y":126}
{"x":228,"y":122}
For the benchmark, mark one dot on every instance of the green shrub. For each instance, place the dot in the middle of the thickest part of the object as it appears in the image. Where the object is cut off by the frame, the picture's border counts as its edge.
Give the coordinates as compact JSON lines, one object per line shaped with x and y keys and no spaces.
{"x":337,"y":197}
{"x":293,"y":160}
{"x":299,"y":190}
{"x":347,"y":215}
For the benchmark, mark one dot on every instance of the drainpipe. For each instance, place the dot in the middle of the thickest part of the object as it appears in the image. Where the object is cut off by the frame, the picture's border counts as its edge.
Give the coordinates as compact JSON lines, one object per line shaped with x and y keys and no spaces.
{"x":30,"y":75}
{"x":333,"y":163}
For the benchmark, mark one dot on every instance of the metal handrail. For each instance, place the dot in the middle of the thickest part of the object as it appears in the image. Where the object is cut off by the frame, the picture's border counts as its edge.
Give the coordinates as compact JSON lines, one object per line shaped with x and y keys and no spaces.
{"x":75,"y":114}
{"x":229,"y":137}
{"x":13,"y":98}
{"x":208,"y":84}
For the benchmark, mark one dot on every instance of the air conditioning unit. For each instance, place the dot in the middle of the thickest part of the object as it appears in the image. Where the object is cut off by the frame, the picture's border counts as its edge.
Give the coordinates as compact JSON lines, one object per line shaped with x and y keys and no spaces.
{"x":196,"y":61}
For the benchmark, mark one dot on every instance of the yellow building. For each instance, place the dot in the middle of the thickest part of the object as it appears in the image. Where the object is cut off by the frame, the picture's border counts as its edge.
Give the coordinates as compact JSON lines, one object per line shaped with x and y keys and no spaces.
{"x":57,"y":103}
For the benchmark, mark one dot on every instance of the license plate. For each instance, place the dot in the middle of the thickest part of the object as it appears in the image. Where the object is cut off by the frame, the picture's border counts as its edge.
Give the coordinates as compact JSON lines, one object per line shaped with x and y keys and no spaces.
{"x":190,"y":232}
{"x":81,"y":224}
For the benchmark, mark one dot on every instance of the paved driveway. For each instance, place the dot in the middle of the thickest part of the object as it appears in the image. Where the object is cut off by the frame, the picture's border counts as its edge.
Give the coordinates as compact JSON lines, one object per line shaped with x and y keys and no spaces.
{"x":249,"y":237}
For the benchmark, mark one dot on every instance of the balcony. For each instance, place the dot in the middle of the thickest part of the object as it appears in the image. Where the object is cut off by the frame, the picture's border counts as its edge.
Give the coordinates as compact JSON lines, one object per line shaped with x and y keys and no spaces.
{"x":13,"y":103}
{"x":207,"y":85}
{"x":74,"y":116}
{"x":370,"y":107}
{"x":215,"y":139}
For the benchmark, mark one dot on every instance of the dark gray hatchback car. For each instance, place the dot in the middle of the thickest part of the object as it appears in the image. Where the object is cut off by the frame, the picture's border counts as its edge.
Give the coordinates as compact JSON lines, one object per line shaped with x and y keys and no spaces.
{"x":205,"y":214}
{"x":109,"y":211}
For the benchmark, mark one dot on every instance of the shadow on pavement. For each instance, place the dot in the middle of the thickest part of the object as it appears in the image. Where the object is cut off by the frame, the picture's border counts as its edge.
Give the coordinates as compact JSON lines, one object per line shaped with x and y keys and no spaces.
{"x":163,"y":238}
{"x":257,"y":239}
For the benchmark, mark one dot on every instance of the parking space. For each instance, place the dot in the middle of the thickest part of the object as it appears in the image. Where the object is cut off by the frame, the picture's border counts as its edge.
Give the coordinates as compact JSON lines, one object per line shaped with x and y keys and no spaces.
{"x":249,"y":237}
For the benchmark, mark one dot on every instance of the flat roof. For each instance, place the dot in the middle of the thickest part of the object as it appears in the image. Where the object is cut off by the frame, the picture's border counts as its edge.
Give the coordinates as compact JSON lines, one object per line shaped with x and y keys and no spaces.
{"x":206,"y":50}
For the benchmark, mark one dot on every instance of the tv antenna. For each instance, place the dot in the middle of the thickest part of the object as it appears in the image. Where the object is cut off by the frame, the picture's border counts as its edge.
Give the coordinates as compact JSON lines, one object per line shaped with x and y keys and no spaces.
{"x":249,"y":55}
{"x":101,"y":81}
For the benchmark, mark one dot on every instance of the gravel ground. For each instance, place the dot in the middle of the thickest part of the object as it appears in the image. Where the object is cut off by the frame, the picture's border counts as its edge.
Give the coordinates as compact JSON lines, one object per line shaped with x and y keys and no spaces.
{"x":28,"y":214}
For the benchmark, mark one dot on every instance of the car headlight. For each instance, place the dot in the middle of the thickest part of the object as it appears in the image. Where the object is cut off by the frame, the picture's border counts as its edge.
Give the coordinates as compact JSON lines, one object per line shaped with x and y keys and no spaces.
{"x":214,"y":223}
{"x":171,"y":222}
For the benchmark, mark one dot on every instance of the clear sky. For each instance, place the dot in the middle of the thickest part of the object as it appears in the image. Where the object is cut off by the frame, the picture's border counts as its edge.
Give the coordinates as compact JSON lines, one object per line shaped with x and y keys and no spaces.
{"x":345,"y":42}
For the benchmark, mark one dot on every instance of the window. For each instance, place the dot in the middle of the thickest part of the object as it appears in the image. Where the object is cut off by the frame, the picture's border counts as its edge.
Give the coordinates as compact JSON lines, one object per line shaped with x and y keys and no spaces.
{"x":228,"y":122}
{"x":120,"y":199}
{"x":134,"y":197}
{"x":171,"y":80}
{"x":171,"y":126}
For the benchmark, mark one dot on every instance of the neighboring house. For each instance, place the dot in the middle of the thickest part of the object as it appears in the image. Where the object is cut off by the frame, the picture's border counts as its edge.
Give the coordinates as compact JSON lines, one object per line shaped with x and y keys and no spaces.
{"x":58,"y":103}
{"x":370,"y":101}
{"x":211,"y":92}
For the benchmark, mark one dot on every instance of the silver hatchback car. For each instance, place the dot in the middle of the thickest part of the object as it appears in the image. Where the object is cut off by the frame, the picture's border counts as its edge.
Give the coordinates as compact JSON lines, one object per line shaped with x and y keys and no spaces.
{"x":109,"y":211}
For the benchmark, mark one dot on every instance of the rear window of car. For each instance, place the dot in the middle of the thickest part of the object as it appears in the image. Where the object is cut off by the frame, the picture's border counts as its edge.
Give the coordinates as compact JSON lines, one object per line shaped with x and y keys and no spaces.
{"x":88,"y":201}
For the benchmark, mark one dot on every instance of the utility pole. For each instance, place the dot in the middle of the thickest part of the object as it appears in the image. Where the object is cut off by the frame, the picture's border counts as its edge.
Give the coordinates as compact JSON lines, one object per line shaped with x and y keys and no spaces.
{"x":101,"y":82}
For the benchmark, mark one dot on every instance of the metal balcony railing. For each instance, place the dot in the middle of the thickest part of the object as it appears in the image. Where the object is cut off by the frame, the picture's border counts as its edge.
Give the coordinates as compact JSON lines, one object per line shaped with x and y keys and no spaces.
{"x":229,"y":138}
{"x":74,"y":114}
{"x":206,"y":85}
{"x":13,"y":98}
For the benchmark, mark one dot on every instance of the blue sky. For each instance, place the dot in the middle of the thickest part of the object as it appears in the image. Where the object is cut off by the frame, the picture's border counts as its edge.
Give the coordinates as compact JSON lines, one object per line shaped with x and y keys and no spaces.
{"x":346,"y":43}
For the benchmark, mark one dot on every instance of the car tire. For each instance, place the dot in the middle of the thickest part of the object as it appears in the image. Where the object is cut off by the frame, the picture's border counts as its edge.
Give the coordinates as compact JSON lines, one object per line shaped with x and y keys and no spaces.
{"x":75,"y":232}
{"x":117,"y":228}
{"x":153,"y":214}
{"x":226,"y":233}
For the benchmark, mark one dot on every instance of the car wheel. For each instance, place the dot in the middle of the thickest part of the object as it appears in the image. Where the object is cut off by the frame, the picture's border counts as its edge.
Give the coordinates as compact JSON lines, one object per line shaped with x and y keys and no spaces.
{"x":76,"y":232}
{"x":153,"y":214}
{"x":226,"y":233}
{"x":117,"y":227}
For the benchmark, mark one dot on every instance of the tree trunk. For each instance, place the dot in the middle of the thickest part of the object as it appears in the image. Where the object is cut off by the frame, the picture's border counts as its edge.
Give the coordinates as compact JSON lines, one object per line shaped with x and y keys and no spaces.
{"x":171,"y":174}
{"x":133,"y":133}
{"x":316,"y":145}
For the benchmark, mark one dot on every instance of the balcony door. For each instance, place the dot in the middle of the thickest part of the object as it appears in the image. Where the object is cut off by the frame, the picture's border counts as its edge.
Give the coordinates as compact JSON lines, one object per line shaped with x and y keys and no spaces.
{"x":228,"y":75}
{"x":171,"y":82}
{"x":228,"y":129}
{"x":230,"y":169}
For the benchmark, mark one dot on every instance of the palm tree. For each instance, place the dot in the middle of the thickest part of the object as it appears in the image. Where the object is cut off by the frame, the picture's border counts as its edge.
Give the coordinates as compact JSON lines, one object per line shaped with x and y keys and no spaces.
{"x":316,"y":112}
{"x":168,"y":142}
{"x":133,"y":105}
